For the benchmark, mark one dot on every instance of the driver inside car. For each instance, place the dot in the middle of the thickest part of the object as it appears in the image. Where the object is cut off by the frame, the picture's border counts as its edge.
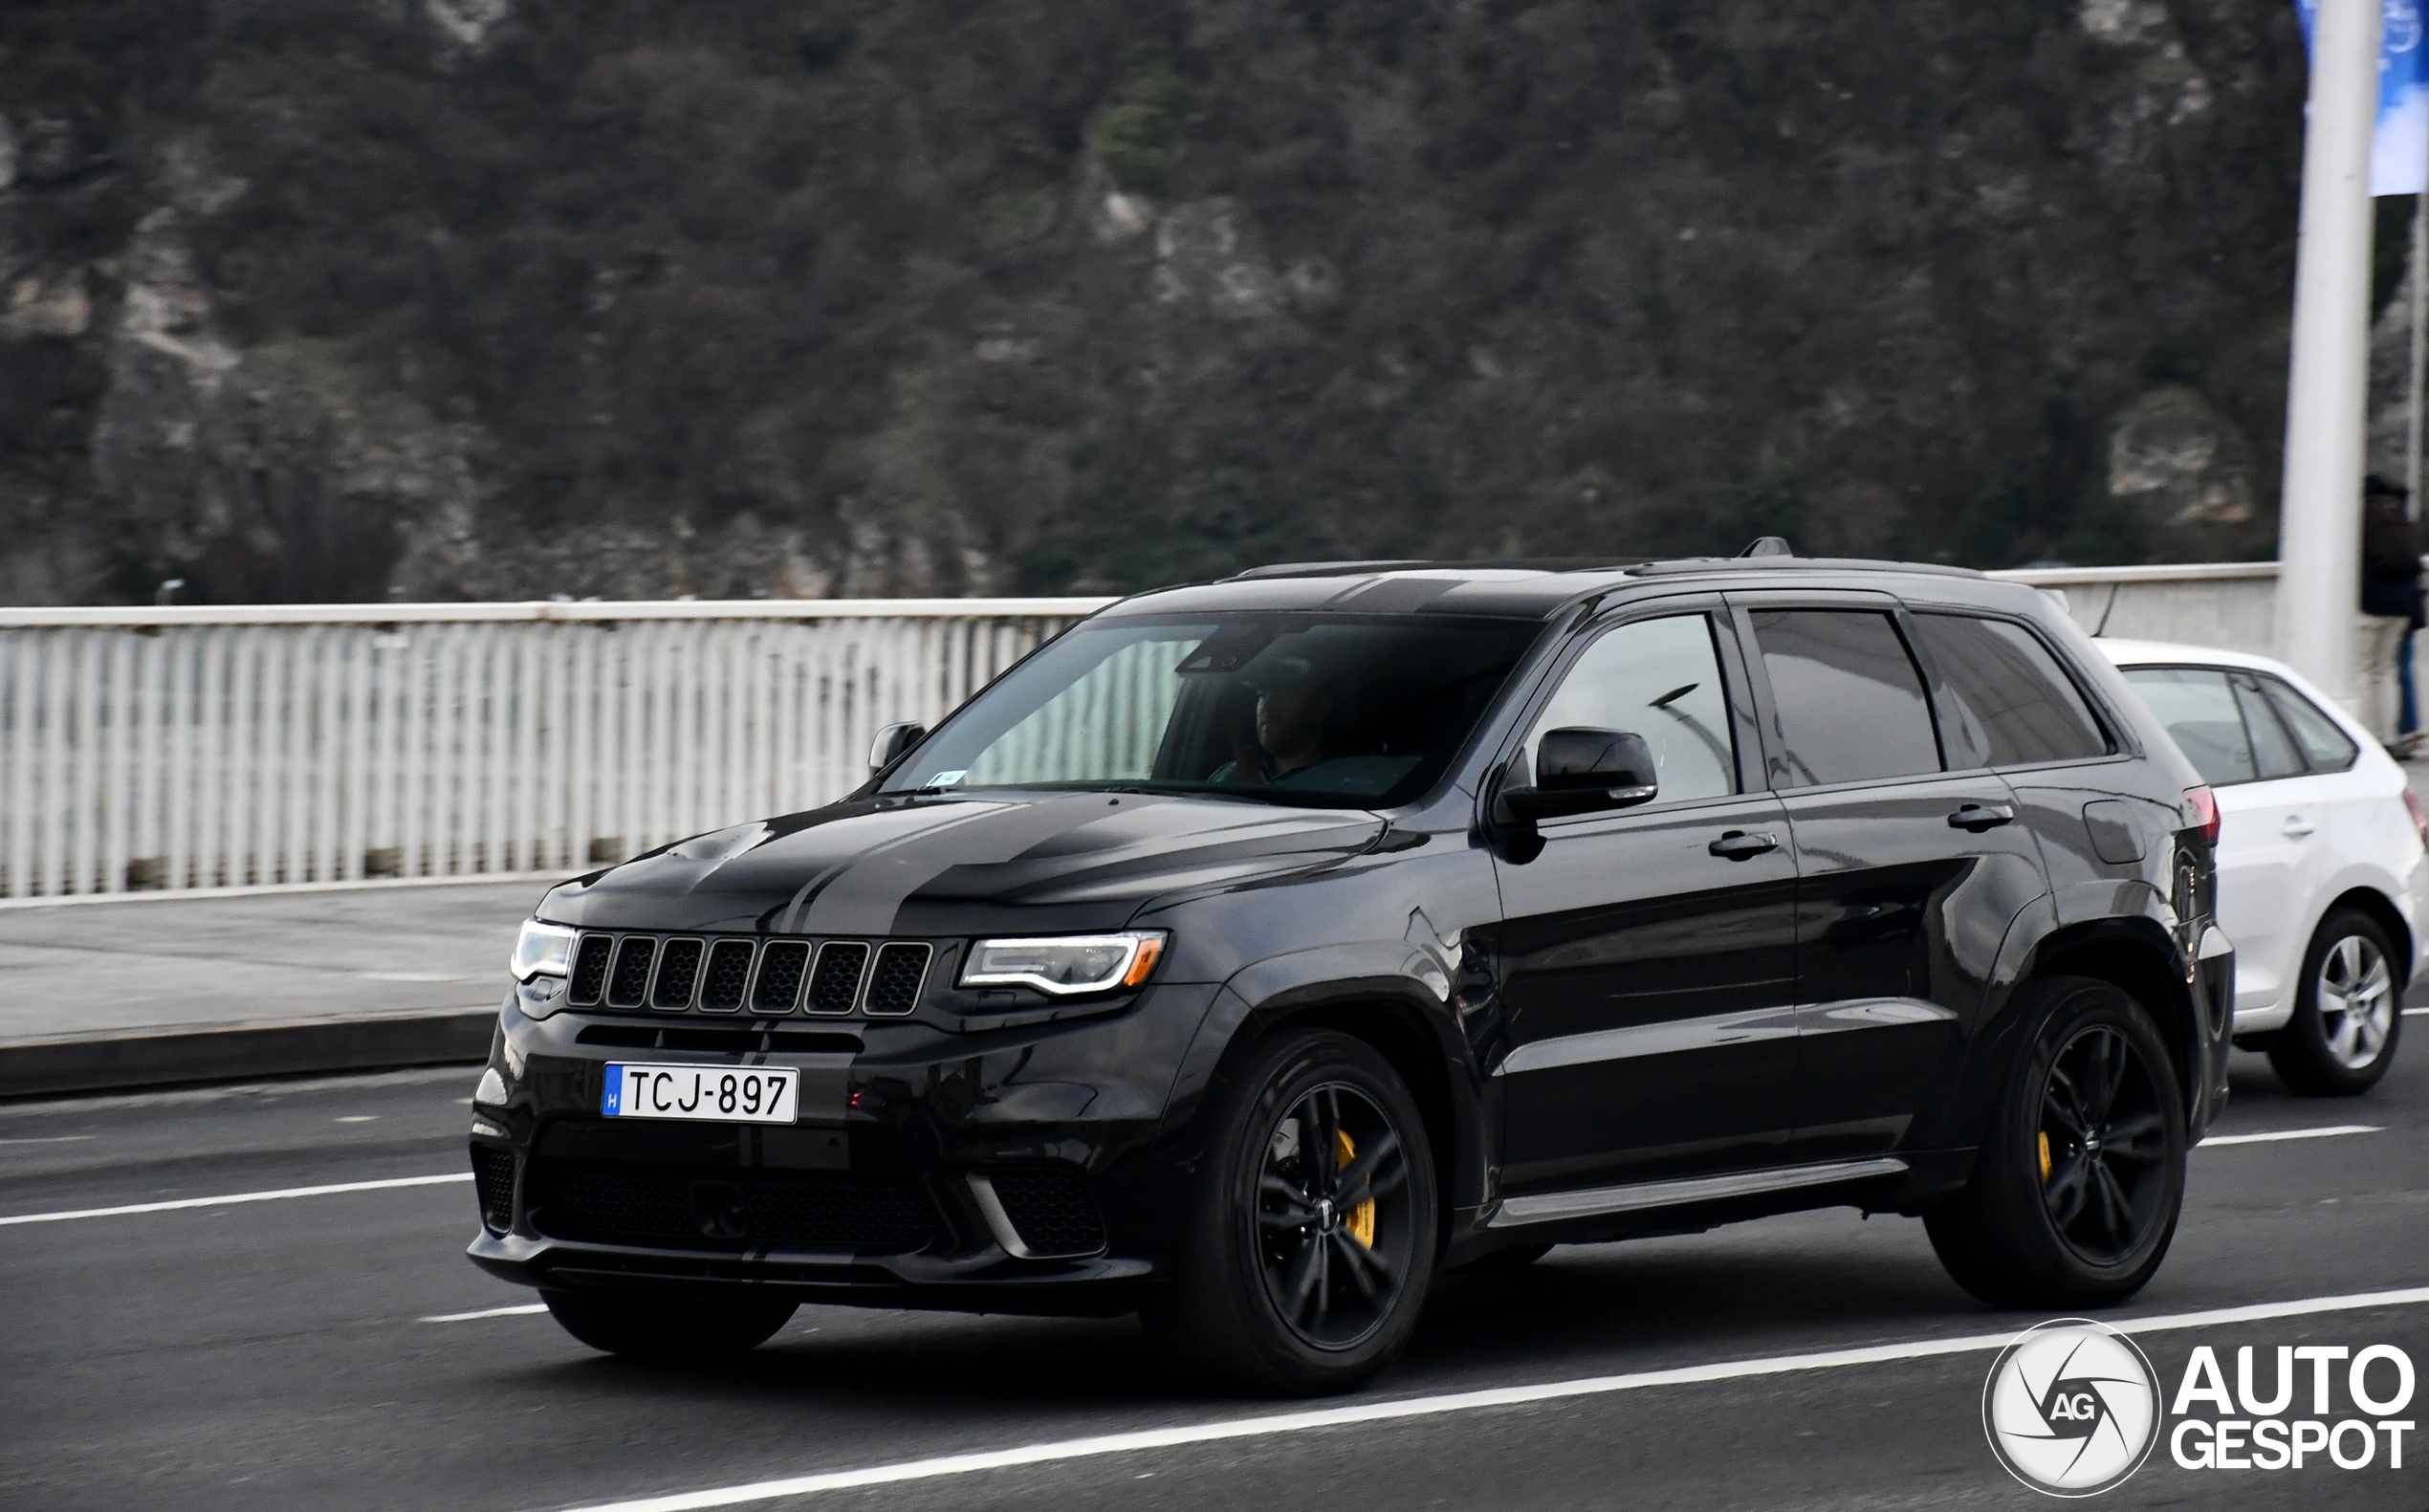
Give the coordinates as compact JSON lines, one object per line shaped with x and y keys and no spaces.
{"x":1293,"y":724}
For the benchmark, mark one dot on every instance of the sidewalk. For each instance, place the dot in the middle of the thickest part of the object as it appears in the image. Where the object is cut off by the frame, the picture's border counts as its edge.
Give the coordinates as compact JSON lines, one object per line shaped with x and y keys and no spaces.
{"x":161,"y":990}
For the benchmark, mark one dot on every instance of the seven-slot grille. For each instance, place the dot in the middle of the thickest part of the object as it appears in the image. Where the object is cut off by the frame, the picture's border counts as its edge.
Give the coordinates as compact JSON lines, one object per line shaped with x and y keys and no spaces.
{"x":677,"y":974}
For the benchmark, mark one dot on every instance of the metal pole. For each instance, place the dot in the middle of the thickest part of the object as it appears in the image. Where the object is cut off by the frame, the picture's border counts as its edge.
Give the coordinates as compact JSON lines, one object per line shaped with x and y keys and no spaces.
{"x":2420,"y":336}
{"x":2319,"y":529}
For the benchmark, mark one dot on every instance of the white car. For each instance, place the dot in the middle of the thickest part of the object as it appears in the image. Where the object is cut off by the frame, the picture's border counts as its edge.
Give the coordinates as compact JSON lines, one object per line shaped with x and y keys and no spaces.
{"x":2323,"y":858}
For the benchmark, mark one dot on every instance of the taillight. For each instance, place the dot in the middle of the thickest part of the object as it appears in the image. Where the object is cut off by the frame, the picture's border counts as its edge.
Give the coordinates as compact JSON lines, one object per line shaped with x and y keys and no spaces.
{"x":2420,"y":820}
{"x":2205,"y":805}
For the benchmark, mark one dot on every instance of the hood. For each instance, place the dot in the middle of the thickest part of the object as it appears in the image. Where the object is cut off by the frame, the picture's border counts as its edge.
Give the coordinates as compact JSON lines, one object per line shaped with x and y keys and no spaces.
{"x":958,"y":864}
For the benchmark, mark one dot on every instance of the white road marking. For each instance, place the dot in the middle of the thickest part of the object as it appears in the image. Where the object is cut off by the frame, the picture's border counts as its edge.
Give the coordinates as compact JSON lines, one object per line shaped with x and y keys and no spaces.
{"x":50,"y":1139}
{"x":1453,"y":1402}
{"x":2324,"y":1131}
{"x":234,"y":1197}
{"x":2416,"y":1012}
{"x":527,"y":1308}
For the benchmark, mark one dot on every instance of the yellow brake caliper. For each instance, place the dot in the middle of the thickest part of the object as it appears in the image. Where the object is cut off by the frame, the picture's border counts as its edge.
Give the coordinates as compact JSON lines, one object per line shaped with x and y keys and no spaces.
{"x":2044,"y":1155}
{"x":1360,"y":1220}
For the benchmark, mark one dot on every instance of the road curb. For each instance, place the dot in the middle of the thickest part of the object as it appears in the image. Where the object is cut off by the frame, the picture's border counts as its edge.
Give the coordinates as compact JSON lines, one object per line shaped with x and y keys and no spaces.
{"x":47,"y":1067}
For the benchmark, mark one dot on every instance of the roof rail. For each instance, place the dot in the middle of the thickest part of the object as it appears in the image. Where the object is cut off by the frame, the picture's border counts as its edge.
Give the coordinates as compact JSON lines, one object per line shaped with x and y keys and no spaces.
{"x":1338,"y":569}
{"x":1679,"y":566}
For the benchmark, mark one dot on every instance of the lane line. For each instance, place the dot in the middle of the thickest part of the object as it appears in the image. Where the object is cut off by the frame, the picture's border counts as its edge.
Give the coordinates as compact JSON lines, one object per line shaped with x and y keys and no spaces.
{"x":2416,"y":1012}
{"x":1454,"y":1402}
{"x":2324,"y":1131}
{"x":525,"y":1310}
{"x":234,"y":1197}
{"x":52,"y":1139}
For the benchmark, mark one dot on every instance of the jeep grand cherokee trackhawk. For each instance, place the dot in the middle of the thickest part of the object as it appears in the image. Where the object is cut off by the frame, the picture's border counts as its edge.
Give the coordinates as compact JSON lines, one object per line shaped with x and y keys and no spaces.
{"x":1255,"y":948}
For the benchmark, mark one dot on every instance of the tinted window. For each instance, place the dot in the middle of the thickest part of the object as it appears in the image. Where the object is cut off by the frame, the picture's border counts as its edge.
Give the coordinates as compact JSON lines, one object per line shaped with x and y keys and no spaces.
{"x":1659,"y":679}
{"x":1851,"y":704}
{"x":2274,"y":751}
{"x":2200,"y":710}
{"x":1314,"y":710}
{"x":2005,"y":701}
{"x":2328,"y":748}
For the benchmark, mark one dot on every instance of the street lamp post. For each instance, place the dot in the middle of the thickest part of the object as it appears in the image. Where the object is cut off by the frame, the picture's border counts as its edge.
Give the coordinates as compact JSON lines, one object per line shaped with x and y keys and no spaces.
{"x":2319,"y":522}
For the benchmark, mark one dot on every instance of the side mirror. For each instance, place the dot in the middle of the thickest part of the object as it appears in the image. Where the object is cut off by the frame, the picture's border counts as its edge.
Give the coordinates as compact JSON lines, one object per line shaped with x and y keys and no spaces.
{"x":890,"y":744}
{"x":1583,"y":771}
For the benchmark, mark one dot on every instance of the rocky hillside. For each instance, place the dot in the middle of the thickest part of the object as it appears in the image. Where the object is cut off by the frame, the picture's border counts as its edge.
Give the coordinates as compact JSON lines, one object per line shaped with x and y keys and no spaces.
{"x":311,"y":299}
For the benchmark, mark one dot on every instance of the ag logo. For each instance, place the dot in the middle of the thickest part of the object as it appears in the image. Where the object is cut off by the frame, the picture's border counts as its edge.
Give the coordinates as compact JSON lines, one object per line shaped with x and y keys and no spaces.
{"x":2072,"y":1408}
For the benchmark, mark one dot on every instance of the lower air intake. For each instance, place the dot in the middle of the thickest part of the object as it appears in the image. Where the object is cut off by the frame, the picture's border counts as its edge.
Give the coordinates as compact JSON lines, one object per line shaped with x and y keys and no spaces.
{"x":494,"y":1182}
{"x":675,"y":1207}
{"x":1052,"y":1211}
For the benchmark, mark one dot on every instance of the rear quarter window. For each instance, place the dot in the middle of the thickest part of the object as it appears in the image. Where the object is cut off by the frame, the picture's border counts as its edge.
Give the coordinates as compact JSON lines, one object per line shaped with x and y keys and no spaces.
{"x":2325,"y":746}
{"x":2003,"y":699}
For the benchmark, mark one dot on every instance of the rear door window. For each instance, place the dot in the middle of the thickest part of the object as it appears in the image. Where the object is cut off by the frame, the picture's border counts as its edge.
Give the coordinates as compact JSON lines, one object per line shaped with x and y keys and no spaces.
{"x":1848,"y":702}
{"x":2200,"y":710}
{"x":2324,"y":745}
{"x":2003,"y":699}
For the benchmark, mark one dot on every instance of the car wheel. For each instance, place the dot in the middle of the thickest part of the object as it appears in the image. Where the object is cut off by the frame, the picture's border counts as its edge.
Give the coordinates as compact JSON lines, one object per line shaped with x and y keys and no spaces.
{"x":1312,"y":1241}
{"x":2075,"y":1193}
{"x":2347,"y":1017}
{"x":668,"y":1327}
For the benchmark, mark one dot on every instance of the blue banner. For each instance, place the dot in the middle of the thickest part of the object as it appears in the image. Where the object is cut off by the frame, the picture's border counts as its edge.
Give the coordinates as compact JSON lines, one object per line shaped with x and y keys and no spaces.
{"x":2400,"y":151}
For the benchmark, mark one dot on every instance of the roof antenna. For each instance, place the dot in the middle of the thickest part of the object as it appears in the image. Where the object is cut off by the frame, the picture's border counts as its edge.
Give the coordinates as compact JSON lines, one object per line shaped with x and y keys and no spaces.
{"x":1769,"y":546}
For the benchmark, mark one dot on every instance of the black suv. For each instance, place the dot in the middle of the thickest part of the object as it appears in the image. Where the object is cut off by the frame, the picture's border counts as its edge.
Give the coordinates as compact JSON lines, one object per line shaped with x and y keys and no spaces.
{"x":1255,"y":949}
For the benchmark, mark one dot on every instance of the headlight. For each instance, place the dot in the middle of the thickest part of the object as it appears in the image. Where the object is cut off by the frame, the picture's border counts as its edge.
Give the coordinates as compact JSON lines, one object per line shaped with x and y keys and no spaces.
{"x":1065,"y":964}
{"x":543,"y":950}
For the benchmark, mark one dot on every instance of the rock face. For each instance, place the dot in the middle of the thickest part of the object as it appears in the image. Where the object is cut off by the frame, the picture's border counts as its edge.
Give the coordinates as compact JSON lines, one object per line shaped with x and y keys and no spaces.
{"x":370,"y":298}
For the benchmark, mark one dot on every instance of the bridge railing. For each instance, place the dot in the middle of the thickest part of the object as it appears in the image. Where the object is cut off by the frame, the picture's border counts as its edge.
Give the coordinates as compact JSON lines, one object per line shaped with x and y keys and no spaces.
{"x":2230,"y":606}
{"x":304,"y":745}
{"x":279,"y":746}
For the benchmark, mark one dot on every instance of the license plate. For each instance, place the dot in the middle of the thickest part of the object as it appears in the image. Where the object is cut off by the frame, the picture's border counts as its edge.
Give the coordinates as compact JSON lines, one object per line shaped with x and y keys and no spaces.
{"x":711,"y":1094}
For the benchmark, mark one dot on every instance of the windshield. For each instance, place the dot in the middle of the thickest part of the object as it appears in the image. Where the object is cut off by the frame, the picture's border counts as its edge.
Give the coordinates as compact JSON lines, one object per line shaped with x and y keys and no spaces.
{"x":1325,"y":710}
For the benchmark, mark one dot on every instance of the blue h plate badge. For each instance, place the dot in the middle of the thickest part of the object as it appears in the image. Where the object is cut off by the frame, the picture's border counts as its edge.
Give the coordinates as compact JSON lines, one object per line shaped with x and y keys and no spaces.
{"x":611,"y":1100}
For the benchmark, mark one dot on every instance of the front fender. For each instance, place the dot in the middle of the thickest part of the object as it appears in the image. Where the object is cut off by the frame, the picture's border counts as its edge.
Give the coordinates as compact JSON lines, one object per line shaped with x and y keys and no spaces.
{"x":1392,"y":992}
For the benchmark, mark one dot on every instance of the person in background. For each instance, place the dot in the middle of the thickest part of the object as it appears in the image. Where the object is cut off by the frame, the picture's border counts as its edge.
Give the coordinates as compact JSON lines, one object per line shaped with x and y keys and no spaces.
{"x":2391,"y":588}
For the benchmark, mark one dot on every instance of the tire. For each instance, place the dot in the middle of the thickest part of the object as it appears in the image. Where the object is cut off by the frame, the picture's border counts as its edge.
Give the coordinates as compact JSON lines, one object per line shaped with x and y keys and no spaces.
{"x":2347,"y":1013}
{"x":2075,"y":1222}
{"x":1278,"y":1288}
{"x":665,"y":1327}
{"x":1504,"y":1262}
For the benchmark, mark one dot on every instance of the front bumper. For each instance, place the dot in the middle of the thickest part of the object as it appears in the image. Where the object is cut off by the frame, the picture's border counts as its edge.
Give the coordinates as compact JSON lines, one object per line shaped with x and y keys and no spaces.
{"x":1014,"y":1169}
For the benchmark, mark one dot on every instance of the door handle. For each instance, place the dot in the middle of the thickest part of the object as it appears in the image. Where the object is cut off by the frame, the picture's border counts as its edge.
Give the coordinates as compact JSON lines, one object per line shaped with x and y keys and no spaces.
{"x":1980,"y":816}
{"x":2297,"y":826}
{"x":1738,"y":846}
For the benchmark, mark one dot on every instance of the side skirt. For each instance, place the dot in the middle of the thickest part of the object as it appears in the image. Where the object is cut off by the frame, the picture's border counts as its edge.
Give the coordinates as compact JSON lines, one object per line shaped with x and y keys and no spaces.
{"x":1557,"y":1207}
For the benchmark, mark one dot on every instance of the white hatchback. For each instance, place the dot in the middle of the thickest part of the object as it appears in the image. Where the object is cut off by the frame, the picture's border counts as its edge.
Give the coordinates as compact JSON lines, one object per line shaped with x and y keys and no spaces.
{"x":2323,"y":858}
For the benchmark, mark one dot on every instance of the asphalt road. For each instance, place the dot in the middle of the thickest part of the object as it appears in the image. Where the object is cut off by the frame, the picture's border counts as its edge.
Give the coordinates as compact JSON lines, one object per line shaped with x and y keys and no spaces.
{"x":281,"y":1354}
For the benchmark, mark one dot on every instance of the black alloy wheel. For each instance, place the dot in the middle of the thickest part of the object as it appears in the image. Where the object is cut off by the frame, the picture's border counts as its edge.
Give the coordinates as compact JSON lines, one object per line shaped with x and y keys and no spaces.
{"x":2080,"y":1178}
{"x":2101,"y":1144}
{"x":1332,"y":1221}
{"x":1311,"y":1237}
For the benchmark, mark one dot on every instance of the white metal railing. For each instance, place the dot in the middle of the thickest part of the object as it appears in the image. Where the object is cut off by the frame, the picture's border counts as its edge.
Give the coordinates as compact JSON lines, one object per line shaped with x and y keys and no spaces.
{"x":293,"y":745}
{"x":212,"y":748}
